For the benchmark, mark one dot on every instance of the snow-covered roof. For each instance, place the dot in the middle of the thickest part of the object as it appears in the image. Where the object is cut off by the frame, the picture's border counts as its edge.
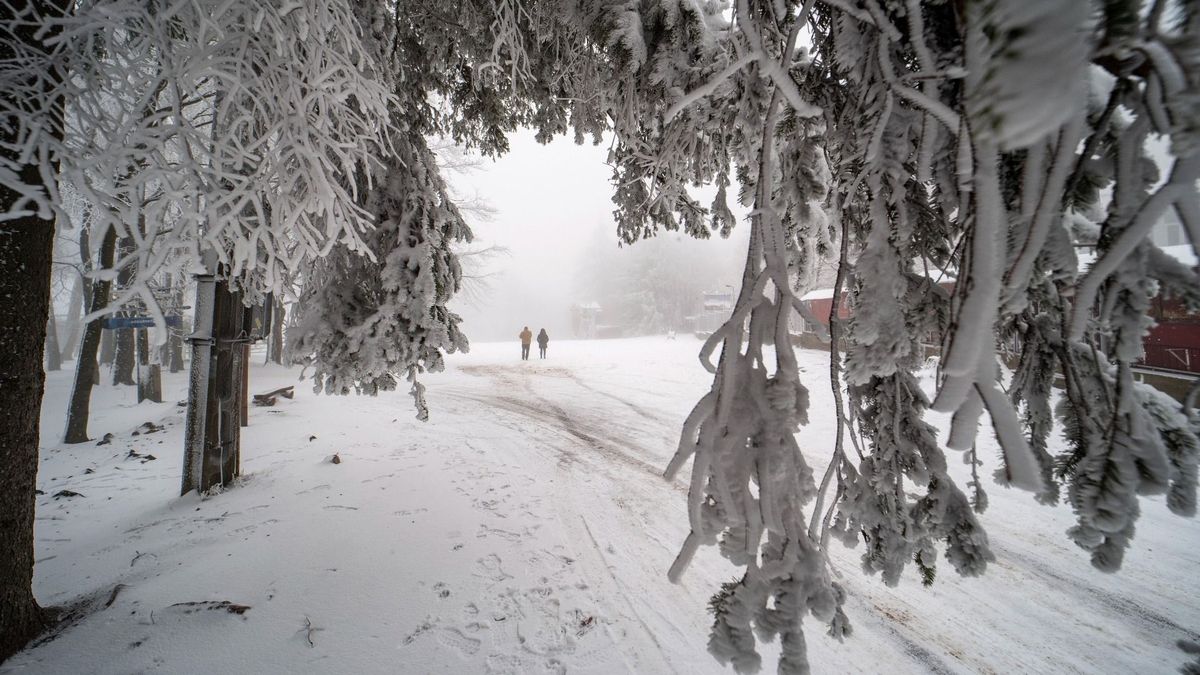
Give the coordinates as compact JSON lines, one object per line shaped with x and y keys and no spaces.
{"x":827,"y":293}
{"x":1182,"y":252}
{"x":819,"y":294}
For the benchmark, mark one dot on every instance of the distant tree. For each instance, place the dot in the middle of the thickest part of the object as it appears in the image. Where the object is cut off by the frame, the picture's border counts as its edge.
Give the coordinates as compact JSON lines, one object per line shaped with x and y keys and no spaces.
{"x":173,"y":349}
{"x":70,"y":345}
{"x":53,"y":353}
{"x":640,"y":292}
{"x":108,"y":346}
{"x":87,"y":370}
{"x":123,"y":359}
{"x":456,"y":161}
{"x":275,"y":339}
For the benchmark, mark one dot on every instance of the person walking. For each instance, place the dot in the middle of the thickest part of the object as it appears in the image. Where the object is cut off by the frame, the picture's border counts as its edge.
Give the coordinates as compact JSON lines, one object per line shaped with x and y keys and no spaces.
{"x":526,"y":337}
{"x":543,"y":340}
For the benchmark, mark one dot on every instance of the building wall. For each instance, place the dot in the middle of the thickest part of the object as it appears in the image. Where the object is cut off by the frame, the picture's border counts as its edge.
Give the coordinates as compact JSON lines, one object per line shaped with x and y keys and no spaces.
{"x":1173,"y":344}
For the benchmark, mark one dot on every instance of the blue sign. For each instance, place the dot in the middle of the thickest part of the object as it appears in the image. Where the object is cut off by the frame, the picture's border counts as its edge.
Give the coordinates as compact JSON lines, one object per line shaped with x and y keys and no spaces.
{"x":173,"y":320}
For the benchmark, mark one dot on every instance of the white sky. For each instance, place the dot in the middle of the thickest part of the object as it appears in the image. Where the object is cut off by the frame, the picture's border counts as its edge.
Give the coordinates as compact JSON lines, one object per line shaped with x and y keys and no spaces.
{"x":552,"y":205}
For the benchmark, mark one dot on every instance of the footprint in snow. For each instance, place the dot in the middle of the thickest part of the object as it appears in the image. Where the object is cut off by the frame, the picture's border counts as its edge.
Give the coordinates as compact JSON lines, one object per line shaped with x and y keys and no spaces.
{"x":484,"y":531}
{"x":246,"y":529}
{"x":465,"y":645}
{"x":314,"y":488}
{"x":504,"y":664}
{"x":489,"y":567}
{"x":513,"y":664}
{"x":490,"y":505}
{"x":420,"y":630}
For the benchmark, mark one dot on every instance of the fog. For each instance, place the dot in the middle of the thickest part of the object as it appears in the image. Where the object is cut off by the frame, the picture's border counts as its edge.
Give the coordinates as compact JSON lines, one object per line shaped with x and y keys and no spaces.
{"x":551,"y":212}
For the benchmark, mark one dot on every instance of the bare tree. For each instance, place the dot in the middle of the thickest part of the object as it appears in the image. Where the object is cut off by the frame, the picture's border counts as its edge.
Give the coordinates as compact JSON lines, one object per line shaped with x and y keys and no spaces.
{"x":87,"y":369}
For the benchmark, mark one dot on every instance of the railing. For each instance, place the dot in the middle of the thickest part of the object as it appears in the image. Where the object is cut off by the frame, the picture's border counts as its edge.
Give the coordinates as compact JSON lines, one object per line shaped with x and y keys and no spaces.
{"x":1185,"y":358}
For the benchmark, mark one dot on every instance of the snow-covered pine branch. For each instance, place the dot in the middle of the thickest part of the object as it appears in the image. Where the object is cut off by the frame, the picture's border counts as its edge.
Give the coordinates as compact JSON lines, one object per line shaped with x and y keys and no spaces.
{"x":367,"y":322}
{"x":1027,"y":116}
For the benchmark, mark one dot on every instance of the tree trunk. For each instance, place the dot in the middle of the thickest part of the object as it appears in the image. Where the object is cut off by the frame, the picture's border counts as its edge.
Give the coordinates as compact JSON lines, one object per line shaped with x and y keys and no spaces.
{"x":53,"y":355}
{"x":275,"y":345}
{"x":26,"y":254}
{"x":175,"y":349}
{"x":108,"y":347}
{"x":74,"y":325}
{"x":124,"y":363}
{"x":149,"y":374}
{"x":87,"y":371}
{"x":175,"y":338}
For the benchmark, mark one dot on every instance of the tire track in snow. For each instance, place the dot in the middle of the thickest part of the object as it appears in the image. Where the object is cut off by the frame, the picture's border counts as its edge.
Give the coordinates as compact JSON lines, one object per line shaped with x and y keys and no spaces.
{"x":505,"y":376}
{"x":632,"y":406}
{"x":912,"y":646}
{"x":537,"y":409}
{"x":1111,"y":604}
{"x":609,"y":455}
{"x":625,"y":595}
{"x":907,"y":639}
{"x":559,"y":420}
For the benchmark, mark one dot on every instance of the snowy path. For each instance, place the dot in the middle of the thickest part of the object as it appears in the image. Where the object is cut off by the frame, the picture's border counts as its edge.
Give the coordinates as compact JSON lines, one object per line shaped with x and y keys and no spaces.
{"x":525,"y":529}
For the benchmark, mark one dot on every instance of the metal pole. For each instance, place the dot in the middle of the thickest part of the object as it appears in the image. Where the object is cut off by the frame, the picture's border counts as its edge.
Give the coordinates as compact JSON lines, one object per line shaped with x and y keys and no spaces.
{"x":201,"y":341}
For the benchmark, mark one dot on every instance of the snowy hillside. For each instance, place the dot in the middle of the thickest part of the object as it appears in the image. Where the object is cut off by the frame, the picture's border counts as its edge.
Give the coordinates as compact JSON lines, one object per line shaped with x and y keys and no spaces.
{"x":524,"y":529}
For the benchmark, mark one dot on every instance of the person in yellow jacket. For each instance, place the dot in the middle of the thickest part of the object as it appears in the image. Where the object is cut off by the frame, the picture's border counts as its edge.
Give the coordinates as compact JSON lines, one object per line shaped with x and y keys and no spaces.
{"x":526,"y":338}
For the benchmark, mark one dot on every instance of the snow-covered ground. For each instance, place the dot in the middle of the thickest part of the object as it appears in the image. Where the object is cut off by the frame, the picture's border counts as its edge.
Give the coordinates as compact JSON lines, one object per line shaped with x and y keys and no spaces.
{"x":524,"y":529}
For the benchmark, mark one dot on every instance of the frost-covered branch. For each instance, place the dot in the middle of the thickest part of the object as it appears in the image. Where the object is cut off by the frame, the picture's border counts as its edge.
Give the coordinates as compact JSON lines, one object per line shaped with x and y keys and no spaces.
{"x":299,"y":113}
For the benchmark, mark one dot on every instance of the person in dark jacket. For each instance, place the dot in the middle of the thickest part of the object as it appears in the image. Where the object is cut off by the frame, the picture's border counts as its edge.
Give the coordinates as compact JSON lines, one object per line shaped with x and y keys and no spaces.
{"x":543,"y":340}
{"x":526,"y":337}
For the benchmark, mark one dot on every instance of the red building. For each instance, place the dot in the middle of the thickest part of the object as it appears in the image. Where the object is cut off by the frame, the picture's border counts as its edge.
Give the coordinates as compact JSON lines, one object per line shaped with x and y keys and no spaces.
{"x":1172,"y":345}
